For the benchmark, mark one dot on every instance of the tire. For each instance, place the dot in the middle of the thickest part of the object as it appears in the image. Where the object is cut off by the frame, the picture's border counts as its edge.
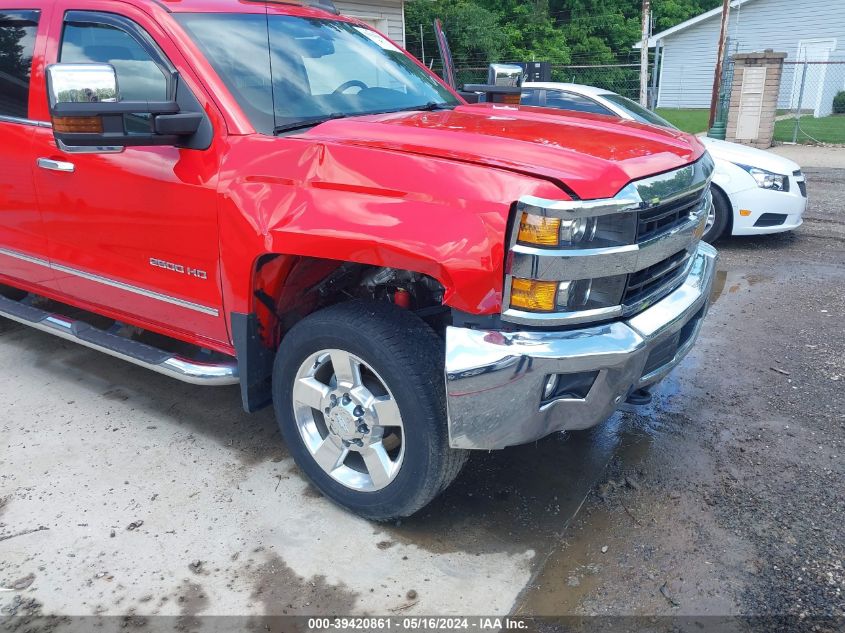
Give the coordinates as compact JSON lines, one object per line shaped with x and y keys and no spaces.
{"x":399,"y":361}
{"x":722,"y":216}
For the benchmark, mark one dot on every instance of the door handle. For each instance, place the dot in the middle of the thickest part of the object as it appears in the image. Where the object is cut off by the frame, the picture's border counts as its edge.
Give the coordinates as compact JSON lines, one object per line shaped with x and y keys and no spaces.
{"x":56,"y":165}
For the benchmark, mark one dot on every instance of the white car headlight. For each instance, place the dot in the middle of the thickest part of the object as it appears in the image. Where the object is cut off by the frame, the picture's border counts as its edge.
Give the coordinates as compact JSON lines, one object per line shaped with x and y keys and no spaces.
{"x":766,"y":179}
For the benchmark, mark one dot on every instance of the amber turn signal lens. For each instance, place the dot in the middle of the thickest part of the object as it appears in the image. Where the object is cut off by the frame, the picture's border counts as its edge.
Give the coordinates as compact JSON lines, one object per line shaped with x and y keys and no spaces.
{"x":535,"y":229}
{"x":536,"y":296}
{"x":78,"y":124}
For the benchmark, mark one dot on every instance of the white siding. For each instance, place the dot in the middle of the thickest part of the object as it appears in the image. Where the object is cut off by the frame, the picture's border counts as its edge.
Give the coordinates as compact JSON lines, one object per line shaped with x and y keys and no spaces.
{"x":386,"y":15}
{"x":690,"y":55}
{"x":689,"y":61}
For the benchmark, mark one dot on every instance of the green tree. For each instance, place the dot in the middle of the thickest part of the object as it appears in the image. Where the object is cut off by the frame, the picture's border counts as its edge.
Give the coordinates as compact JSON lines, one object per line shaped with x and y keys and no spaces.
{"x":12,"y":60}
{"x":668,"y":13}
{"x":580,"y":32}
{"x":474,"y":32}
{"x":530,"y":30}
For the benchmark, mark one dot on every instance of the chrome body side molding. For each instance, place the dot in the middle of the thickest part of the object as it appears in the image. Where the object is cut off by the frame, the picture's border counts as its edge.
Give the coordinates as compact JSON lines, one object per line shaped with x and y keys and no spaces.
{"x":21,"y":121}
{"x":150,"y":294}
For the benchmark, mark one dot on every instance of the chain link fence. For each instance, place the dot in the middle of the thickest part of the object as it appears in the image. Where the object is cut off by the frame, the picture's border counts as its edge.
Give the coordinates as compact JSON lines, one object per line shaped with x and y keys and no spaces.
{"x":619,"y":73}
{"x":812,"y":103}
{"x":621,"y":78}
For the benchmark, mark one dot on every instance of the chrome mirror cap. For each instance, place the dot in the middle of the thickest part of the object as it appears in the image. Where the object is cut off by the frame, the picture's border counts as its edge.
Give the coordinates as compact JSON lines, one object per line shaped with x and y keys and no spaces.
{"x":508,"y":75}
{"x":82,"y":83}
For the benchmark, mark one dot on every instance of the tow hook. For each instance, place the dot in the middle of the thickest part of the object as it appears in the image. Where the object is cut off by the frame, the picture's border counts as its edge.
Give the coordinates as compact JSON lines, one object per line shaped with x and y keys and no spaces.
{"x":639,"y":397}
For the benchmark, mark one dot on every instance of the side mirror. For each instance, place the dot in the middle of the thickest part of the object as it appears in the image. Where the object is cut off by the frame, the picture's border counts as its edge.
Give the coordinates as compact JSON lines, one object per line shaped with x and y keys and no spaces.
{"x":507,"y":75}
{"x":503,"y":86}
{"x":87,"y":111}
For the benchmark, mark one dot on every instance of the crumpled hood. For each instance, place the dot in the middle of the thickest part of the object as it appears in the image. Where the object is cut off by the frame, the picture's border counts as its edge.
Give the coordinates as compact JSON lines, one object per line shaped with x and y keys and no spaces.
{"x":592,"y":156}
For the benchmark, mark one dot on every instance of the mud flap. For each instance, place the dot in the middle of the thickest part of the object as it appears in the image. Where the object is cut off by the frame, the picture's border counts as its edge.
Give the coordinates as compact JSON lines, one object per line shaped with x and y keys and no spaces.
{"x":255,"y":363}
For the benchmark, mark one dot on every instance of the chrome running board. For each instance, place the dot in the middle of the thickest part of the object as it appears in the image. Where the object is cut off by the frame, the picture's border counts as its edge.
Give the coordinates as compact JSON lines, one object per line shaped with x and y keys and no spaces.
{"x":135,"y":352}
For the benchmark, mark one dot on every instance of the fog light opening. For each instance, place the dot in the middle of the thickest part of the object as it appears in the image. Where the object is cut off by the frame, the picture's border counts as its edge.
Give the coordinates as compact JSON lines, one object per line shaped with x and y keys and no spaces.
{"x":551,"y":386}
{"x":574,"y":386}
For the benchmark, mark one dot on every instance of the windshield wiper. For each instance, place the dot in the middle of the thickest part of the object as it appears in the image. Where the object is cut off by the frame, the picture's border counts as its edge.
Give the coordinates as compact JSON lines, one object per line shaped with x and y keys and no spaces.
{"x":302,"y":124}
{"x":431,"y":106}
{"x":306,"y":123}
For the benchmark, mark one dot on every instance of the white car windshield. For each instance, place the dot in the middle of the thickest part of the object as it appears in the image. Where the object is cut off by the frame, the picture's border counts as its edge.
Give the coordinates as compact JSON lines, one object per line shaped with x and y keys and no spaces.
{"x":636,"y":111}
{"x":290,"y":72}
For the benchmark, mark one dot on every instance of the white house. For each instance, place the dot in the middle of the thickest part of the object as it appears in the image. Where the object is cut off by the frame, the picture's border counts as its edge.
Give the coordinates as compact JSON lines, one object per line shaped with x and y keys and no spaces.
{"x":812,"y":30}
{"x":388,"y":16}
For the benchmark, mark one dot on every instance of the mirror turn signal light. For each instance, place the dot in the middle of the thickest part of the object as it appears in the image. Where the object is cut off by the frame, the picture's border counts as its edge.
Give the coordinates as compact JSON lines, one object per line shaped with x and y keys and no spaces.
{"x":536,"y":296}
{"x":78,"y":124}
{"x":536,"y":229}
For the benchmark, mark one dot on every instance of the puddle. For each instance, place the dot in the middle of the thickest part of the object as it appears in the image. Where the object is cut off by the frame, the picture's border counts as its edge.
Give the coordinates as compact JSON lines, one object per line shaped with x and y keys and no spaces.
{"x":516,"y":499}
{"x":577,"y":565}
{"x":613,"y":542}
{"x":733,"y":282}
{"x":525,"y":497}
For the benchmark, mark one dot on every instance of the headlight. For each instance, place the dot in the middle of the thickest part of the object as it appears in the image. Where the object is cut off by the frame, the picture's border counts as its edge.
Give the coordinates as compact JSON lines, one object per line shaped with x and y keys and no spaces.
{"x":567,"y":296}
{"x":539,"y":230}
{"x":536,"y":229}
{"x":766,"y":179}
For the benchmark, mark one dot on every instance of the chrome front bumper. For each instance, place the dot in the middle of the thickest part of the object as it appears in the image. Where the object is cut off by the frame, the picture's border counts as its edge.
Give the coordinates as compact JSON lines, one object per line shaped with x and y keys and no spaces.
{"x":495,"y":380}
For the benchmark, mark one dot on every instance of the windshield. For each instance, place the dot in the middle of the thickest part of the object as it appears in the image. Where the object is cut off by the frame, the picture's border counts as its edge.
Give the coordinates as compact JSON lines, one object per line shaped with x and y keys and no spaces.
{"x":288,"y":72}
{"x":638,"y":112}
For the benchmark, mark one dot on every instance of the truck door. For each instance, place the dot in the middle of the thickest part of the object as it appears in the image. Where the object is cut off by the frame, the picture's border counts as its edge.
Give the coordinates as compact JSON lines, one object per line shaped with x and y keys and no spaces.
{"x":23,"y":247}
{"x":133,"y":232}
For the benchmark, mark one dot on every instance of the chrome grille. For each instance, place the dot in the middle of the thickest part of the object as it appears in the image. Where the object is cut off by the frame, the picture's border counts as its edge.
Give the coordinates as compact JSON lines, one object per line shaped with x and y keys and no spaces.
{"x":658,"y":222}
{"x":665,"y":217}
{"x":664,"y":276}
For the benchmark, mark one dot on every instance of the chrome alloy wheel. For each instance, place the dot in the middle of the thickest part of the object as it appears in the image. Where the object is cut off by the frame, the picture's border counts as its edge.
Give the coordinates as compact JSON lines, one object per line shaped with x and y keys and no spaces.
{"x":711,"y":218}
{"x":348,"y":420}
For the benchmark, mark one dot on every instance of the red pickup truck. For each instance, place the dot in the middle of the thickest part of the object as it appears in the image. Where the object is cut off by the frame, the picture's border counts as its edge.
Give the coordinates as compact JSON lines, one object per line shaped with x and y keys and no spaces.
{"x":271,"y":195}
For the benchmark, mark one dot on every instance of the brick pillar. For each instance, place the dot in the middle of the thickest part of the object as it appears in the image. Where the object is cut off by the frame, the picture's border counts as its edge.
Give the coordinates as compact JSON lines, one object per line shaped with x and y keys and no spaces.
{"x":754,"y":98}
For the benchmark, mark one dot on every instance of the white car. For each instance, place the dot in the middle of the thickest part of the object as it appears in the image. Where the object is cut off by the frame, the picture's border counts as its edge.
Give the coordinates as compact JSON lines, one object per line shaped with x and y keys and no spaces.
{"x":754,"y":191}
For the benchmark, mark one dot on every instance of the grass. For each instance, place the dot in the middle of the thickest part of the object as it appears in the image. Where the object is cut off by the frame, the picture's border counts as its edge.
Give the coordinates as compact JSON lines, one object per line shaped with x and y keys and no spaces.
{"x":688,"y":120}
{"x":829,"y":129}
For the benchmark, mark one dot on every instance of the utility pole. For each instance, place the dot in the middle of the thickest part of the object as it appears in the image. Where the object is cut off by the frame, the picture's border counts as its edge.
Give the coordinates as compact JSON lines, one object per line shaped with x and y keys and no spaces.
{"x":658,"y":45}
{"x":422,"y":43}
{"x":720,"y":58}
{"x":644,"y":55}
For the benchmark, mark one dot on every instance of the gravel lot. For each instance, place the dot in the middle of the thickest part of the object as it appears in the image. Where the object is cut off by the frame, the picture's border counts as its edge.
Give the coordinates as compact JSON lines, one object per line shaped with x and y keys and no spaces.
{"x":124,"y":493}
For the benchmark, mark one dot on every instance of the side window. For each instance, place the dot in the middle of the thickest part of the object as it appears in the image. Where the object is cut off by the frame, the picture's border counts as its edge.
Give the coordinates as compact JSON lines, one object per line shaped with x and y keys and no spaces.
{"x":530,"y":97}
{"x":17,"y":45}
{"x":571,"y":101}
{"x":139,"y":77}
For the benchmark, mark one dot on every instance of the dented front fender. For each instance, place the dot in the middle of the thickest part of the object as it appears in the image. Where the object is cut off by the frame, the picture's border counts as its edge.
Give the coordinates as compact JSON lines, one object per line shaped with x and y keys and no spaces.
{"x":439,"y":217}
